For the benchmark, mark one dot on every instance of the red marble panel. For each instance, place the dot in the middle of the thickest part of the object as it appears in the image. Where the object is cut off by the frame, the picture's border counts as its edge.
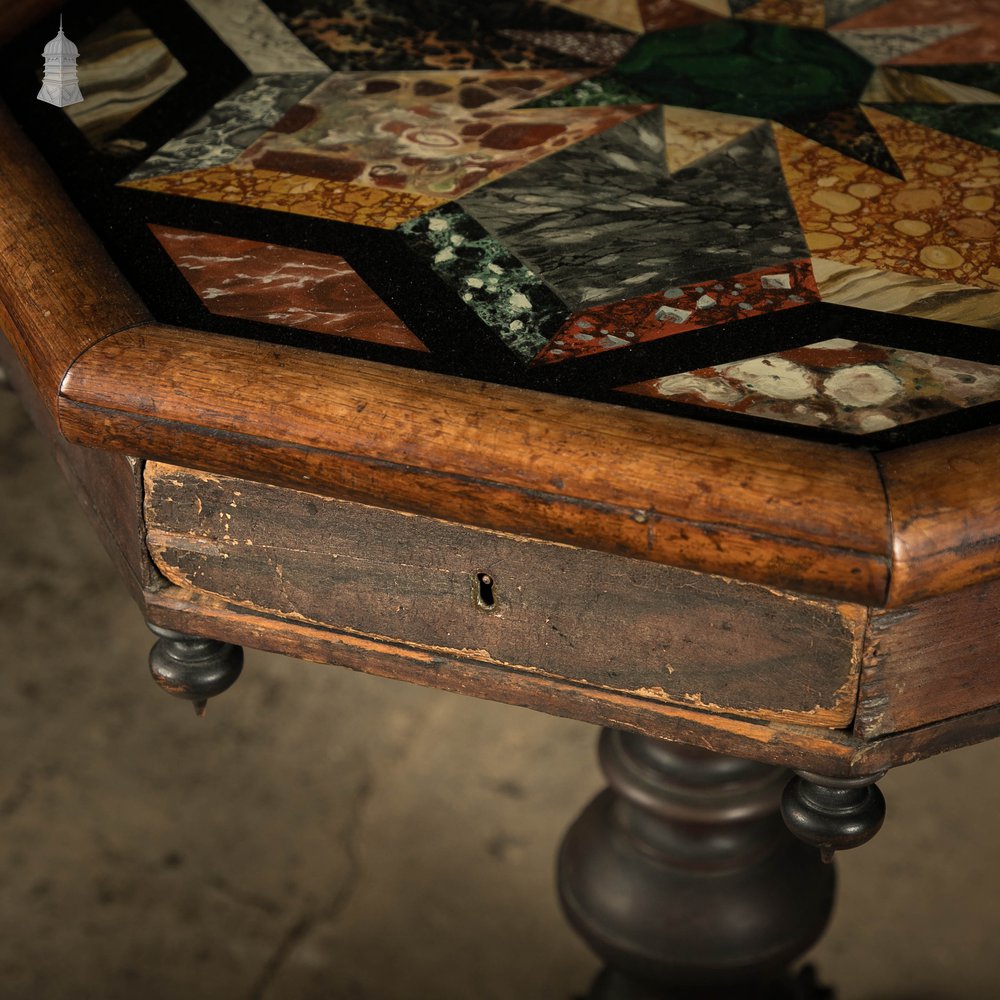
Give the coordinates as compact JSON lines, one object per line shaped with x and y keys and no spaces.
{"x":658,"y":15}
{"x":979,"y":45}
{"x":676,"y":310}
{"x":286,"y":286}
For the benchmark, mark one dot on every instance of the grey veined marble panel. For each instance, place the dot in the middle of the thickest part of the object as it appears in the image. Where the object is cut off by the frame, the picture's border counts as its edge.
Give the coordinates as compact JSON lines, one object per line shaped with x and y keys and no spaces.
{"x":255,"y":33}
{"x":231,"y":125}
{"x":601,"y":221}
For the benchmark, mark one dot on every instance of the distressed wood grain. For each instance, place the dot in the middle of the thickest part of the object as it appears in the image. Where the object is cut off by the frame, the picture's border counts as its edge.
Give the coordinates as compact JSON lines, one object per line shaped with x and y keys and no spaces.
{"x":696,"y":495}
{"x":108,"y":485}
{"x":944,"y":501}
{"x":931,"y":661}
{"x":786,"y":743}
{"x":836,"y":752}
{"x":655,"y":631}
{"x":59,"y":291}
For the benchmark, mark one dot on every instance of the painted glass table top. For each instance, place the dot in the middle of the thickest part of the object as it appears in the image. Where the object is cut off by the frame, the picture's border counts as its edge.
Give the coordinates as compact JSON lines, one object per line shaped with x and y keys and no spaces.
{"x":777,"y":213}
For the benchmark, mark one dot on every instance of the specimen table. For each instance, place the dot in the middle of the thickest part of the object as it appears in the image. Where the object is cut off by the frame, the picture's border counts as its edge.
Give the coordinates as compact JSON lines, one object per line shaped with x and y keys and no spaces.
{"x":630,"y":360}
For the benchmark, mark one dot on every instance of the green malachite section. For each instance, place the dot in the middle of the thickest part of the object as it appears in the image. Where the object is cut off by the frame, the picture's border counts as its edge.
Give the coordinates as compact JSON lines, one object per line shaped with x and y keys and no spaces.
{"x":975,"y":122}
{"x":746,"y":68}
{"x":595,"y":92}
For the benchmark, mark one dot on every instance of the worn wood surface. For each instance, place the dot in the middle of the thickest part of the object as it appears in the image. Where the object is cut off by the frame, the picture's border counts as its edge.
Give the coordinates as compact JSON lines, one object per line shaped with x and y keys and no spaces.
{"x":108,"y":486}
{"x":944,"y":499}
{"x":776,"y":742}
{"x":836,"y":753}
{"x":931,"y":661}
{"x":661,"y":488}
{"x":59,"y":291}
{"x":656,"y":631}
{"x":753,"y":506}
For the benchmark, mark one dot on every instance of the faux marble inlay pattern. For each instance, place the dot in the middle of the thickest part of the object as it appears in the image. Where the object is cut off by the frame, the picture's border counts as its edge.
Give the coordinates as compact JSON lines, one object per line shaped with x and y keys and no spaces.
{"x":837,"y":384}
{"x":677,"y":310}
{"x":882,"y":45}
{"x":622,"y":13}
{"x":509,"y":297}
{"x":866,"y":287}
{"x":392,"y":35}
{"x":650,"y":15}
{"x":231,"y":126}
{"x":590,"y":176}
{"x":690,"y":133}
{"x":890,"y":84}
{"x":795,"y":13}
{"x":585,"y":46}
{"x":746,"y":68}
{"x":940,"y":222}
{"x":254,"y":32}
{"x":123,"y":69}
{"x":601,"y":221}
{"x":963,"y":121}
{"x":283,"y":285}
{"x":240,"y":184}
{"x":979,"y":44}
{"x":432,"y":134}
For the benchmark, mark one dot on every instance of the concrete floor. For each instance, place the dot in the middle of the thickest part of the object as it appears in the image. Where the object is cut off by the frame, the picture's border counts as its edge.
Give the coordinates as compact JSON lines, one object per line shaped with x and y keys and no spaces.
{"x":323,"y":834}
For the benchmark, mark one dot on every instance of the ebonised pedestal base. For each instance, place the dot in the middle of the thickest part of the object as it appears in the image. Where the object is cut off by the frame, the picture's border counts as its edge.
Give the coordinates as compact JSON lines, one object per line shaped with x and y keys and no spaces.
{"x":683,"y":877}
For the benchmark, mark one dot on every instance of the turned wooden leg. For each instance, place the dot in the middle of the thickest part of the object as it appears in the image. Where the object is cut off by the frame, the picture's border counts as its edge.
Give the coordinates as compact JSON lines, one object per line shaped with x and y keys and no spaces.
{"x":683,"y":877}
{"x":192,"y":668}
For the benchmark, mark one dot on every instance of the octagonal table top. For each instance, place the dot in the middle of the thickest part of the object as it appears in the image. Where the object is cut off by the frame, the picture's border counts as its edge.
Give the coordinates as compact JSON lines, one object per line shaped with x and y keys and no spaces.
{"x":710,"y":283}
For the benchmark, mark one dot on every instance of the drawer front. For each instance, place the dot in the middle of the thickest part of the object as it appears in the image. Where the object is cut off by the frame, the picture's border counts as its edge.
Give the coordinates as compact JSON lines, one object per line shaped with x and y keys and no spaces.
{"x":663,"y":633}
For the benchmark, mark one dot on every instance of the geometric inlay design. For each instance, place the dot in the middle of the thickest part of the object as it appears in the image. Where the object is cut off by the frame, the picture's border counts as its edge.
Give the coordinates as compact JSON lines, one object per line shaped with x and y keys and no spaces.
{"x":281,"y":285}
{"x":572,"y":196}
{"x":124,"y":69}
{"x":838,"y":384}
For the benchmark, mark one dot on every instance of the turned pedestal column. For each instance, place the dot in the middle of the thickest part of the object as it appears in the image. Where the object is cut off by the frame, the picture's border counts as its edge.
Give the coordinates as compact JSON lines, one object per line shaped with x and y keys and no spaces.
{"x":684,"y":878}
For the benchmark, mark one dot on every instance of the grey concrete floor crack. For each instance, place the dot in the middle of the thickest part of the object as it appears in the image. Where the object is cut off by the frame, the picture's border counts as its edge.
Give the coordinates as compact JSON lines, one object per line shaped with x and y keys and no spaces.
{"x":18,"y":795}
{"x":331,"y":912}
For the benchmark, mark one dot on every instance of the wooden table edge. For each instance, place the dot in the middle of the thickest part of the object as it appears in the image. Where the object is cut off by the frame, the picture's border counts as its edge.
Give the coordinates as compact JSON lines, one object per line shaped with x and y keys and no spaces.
{"x":743,"y":504}
{"x":820,"y":519}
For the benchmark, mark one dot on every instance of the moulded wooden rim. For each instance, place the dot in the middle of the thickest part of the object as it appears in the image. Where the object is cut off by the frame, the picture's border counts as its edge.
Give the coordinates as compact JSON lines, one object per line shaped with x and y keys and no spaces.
{"x":817,"y":518}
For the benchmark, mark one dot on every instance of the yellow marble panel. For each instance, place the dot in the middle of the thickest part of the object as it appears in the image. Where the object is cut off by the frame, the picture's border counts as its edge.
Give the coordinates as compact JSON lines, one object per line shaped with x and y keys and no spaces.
{"x":797,"y":13}
{"x":281,"y":192}
{"x":940,"y":222}
{"x":720,"y":7}
{"x":623,"y":13}
{"x":907,"y":295}
{"x":690,"y":133}
{"x":893,"y":86}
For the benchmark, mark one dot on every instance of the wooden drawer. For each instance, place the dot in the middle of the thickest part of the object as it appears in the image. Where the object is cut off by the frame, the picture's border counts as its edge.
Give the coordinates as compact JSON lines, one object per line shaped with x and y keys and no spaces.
{"x":662,"y":633}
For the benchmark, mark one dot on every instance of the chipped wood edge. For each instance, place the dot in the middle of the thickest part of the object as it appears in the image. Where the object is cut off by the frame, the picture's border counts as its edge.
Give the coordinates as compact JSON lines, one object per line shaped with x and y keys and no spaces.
{"x":835,"y":753}
{"x":778,"y":742}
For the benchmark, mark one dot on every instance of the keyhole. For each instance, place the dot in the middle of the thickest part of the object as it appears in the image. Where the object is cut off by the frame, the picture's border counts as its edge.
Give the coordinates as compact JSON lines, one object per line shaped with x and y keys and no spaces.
{"x":485,"y":597}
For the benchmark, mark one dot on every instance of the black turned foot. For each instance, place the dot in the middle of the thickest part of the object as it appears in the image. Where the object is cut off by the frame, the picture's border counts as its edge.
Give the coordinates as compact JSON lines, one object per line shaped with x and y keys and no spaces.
{"x":684,"y":878}
{"x":833,"y":814}
{"x":614,"y":985}
{"x":192,"y":668}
